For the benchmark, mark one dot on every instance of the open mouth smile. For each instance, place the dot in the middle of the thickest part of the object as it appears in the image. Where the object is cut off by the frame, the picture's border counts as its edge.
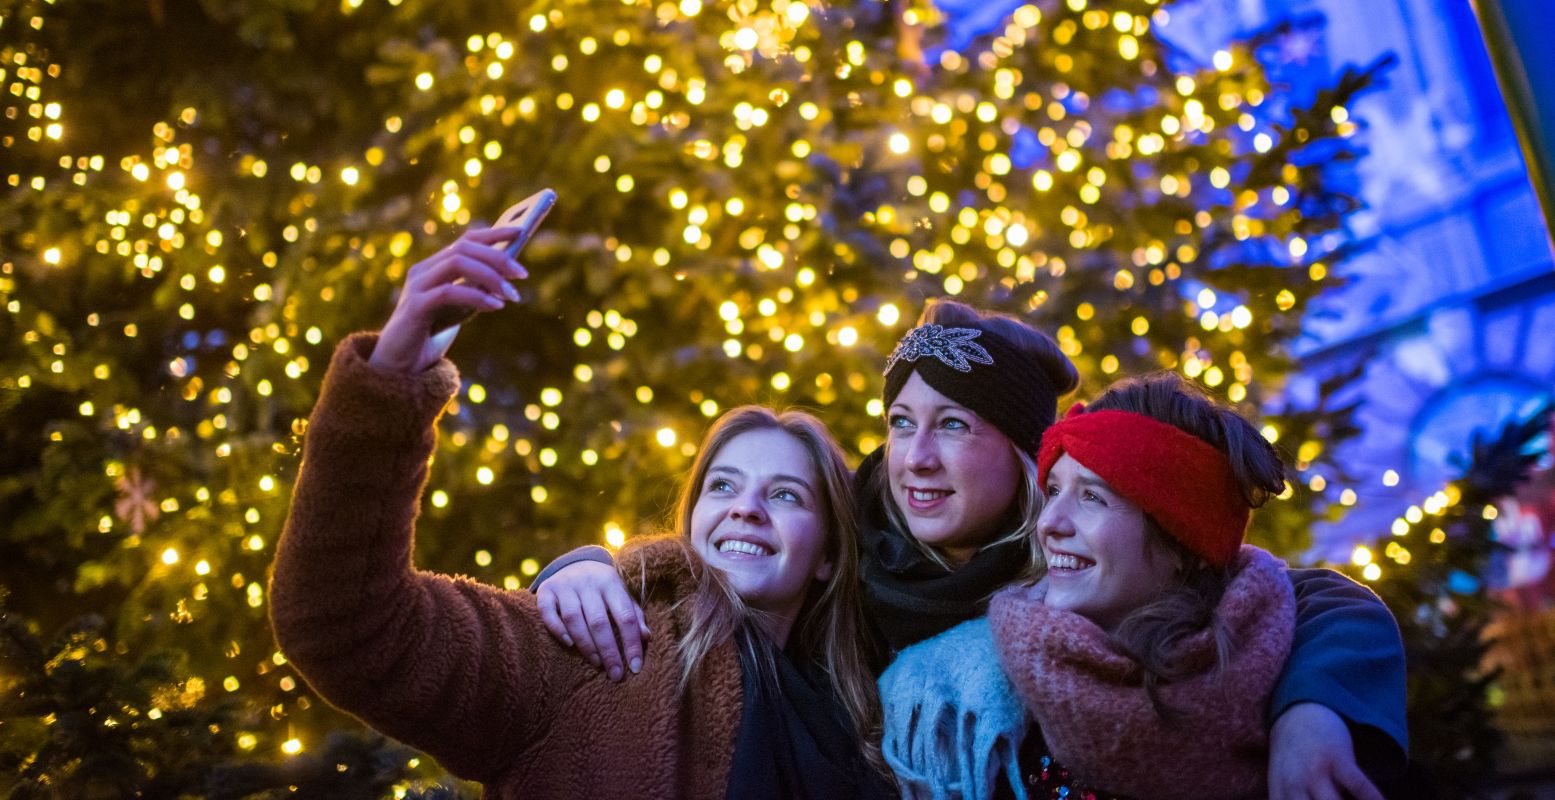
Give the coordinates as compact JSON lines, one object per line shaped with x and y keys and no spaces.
{"x":744,"y":548}
{"x":1067,"y":562}
{"x":927,"y":498}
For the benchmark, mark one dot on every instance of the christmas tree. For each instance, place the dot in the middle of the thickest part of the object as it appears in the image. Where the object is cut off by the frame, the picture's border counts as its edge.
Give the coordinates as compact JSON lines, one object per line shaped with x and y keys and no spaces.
{"x":203,"y":196}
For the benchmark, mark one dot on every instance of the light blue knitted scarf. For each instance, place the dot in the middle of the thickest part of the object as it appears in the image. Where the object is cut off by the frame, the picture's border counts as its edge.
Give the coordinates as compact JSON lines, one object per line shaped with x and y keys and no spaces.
{"x":953,"y":722}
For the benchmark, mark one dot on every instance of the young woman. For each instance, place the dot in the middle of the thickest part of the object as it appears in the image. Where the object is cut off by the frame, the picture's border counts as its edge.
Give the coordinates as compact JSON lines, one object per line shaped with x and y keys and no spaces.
{"x":756,"y":685}
{"x":1147,"y":653}
{"x":948,"y":510}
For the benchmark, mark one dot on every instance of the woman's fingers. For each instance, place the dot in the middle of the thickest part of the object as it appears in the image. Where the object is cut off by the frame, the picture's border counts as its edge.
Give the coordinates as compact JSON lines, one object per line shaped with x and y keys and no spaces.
{"x":489,"y":246}
{"x":1355,"y":783}
{"x":551,"y":617}
{"x":464,"y":296}
{"x":465,"y":258}
{"x":489,"y":236}
{"x":458,"y":267}
{"x":570,"y":609}
{"x":629,"y":625}
{"x":470,"y":274}
{"x":603,"y":635}
{"x":493,"y":257}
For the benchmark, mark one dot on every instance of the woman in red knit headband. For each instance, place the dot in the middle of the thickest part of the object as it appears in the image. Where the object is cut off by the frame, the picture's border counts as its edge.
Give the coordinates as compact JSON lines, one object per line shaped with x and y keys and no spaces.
{"x":1154,"y":618}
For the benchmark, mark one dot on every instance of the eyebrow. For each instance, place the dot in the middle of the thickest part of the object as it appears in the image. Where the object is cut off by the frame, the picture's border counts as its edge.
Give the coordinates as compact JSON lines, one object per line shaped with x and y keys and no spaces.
{"x":781,"y":476}
{"x":937,"y":409}
{"x":1087,"y":480}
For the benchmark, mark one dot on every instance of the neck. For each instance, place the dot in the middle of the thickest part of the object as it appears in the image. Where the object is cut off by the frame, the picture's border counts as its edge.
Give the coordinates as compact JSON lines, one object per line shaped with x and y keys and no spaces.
{"x":957,"y":557}
{"x":776,"y":626}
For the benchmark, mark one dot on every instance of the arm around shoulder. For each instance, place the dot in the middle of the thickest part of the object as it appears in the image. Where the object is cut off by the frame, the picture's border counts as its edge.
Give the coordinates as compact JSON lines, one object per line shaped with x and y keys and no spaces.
{"x":1348,"y":656}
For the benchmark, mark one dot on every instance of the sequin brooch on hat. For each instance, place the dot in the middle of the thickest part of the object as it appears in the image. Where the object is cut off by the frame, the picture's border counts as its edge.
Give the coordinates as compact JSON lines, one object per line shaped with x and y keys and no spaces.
{"x":953,"y":346}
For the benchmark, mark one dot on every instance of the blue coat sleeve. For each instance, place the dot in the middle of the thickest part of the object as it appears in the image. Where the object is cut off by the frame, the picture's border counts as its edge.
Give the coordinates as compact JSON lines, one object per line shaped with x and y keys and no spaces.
{"x":588,"y":552}
{"x":1348,"y":655}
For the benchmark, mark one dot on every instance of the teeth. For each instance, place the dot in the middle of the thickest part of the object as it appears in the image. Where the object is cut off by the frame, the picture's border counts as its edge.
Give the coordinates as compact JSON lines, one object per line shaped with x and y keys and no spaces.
{"x":737,"y":546}
{"x":1066,"y":561}
{"x":925,"y":495}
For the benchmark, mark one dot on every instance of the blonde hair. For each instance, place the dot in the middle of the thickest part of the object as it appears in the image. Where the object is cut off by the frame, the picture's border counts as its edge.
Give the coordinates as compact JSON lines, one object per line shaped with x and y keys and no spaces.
{"x":829,"y":629}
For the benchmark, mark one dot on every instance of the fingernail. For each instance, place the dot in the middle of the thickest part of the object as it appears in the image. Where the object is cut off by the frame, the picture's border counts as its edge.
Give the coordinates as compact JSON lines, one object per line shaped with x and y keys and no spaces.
{"x":637,"y":665}
{"x":492,"y":302}
{"x":615,"y":673}
{"x":512,"y":293}
{"x":567,"y":640}
{"x":522,"y":273}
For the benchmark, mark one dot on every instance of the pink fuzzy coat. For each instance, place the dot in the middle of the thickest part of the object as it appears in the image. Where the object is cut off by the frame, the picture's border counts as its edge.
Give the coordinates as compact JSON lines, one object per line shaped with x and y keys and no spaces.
{"x":1091,"y":706}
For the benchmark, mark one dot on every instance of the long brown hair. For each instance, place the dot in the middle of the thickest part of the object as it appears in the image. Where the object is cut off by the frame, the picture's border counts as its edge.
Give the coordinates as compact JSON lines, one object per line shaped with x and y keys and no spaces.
{"x":1060,"y":371}
{"x":829,"y":629}
{"x":1151,"y":633}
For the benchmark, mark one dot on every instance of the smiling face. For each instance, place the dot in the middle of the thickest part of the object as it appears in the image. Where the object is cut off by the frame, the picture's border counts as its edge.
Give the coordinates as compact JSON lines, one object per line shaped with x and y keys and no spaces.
{"x":1102,"y":560}
{"x":760,"y":519}
{"x":954,"y":476}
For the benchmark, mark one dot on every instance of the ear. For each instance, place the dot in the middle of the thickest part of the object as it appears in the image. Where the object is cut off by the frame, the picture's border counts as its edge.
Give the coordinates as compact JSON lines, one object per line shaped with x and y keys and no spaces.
{"x":823,"y":572}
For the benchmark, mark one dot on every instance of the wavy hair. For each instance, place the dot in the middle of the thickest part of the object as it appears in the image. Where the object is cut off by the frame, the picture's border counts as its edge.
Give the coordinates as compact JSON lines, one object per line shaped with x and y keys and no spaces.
{"x":829,"y":629}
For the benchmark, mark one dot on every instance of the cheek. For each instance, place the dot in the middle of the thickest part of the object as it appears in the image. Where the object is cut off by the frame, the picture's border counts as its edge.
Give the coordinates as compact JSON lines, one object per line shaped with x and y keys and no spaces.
{"x":814,"y":541}
{"x":703,"y":519}
{"x":998,"y":477}
{"x":1149,"y":565}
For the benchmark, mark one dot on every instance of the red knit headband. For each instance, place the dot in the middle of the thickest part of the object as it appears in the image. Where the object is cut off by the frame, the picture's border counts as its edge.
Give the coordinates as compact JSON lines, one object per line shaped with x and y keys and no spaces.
{"x":1183,"y":482}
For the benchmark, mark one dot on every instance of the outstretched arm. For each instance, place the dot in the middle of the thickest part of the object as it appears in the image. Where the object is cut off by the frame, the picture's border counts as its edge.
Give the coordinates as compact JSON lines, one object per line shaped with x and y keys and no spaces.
{"x":454,"y":667}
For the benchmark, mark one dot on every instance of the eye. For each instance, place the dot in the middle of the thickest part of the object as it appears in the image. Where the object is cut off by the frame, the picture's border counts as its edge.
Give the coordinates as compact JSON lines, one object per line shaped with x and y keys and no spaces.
{"x":897,"y":422}
{"x":1094,"y":497}
{"x":787,"y":496}
{"x":954,"y":424}
{"x":719,"y":485}
{"x":1051,"y":490}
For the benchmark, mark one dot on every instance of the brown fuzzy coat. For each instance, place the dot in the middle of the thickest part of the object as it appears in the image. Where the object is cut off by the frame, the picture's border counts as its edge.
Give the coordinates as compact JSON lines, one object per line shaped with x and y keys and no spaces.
{"x":460,"y":669}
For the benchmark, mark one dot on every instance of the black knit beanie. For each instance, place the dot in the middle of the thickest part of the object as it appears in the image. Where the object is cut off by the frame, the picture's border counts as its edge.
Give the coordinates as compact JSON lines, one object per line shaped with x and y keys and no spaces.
{"x":980,"y":370}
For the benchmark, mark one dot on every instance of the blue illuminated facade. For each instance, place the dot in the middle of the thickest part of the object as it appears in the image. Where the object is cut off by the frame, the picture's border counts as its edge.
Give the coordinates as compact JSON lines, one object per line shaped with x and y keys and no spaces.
{"x":1449,"y":315}
{"x":1452,"y":306}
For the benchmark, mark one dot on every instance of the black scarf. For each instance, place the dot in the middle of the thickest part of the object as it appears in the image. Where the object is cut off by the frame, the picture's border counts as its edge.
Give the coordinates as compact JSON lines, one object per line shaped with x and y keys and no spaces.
{"x":909,"y":598}
{"x":795,"y":741}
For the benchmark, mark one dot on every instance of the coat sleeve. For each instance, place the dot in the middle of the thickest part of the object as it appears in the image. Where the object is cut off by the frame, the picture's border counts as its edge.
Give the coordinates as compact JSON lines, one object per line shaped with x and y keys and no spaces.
{"x":1348,"y":655}
{"x":588,"y":552}
{"x":459,"y":669}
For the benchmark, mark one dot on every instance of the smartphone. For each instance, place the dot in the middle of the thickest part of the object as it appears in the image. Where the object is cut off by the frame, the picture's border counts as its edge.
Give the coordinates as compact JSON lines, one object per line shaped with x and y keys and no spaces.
{"x":525,"y":215}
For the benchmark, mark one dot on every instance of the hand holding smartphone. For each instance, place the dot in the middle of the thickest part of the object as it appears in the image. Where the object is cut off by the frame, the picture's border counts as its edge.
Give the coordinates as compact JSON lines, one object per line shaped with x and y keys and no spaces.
{"x":525,"y":216}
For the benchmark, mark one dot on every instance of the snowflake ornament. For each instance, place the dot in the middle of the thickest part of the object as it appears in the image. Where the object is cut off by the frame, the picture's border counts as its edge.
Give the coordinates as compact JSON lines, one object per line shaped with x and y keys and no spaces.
{"x":953,"y":346}
{"x":135,"y":504}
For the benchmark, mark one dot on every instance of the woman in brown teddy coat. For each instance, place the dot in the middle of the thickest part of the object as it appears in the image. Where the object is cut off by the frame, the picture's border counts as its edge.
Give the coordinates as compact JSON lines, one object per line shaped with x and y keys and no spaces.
{"x":757,"y":687}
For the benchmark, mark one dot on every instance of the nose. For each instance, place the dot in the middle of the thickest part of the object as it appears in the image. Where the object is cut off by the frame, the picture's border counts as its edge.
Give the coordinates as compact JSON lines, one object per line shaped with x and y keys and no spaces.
{"x":748,"y":507}
{"x":922,"y":452}
{"x":1055,"y":520}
